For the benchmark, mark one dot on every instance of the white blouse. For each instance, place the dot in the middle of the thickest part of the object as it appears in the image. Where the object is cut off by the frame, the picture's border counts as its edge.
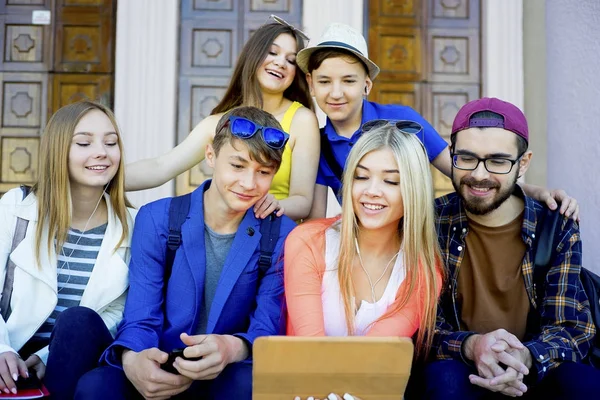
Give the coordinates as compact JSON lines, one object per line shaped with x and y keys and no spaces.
{"x":333,"y":306}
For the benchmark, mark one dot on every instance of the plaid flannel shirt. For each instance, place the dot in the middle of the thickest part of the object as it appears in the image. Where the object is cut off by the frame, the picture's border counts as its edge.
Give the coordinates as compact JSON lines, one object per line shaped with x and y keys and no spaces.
{"x":566,"y":328}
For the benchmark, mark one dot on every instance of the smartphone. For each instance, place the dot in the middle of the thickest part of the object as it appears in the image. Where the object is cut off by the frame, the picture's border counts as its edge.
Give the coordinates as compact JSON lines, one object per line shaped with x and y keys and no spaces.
{"x":32,"y":382}
{"x":168,"y":366}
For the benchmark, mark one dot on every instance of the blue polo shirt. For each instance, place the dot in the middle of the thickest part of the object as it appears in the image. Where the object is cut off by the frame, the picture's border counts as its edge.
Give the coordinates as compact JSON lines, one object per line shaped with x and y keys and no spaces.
{"x":433,"y":142}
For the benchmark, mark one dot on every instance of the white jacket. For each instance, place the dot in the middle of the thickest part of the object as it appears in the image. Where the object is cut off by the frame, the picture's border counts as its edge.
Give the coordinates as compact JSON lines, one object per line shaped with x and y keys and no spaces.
{"x":35,"y":285}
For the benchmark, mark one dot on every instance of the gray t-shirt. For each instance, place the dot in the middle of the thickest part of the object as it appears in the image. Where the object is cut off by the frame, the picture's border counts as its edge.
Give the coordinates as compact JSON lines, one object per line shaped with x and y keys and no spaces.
{"x":217,"y":248}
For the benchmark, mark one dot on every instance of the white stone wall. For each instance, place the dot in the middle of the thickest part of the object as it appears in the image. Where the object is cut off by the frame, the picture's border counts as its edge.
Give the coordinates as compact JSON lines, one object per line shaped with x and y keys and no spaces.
{"x":573,"y":97}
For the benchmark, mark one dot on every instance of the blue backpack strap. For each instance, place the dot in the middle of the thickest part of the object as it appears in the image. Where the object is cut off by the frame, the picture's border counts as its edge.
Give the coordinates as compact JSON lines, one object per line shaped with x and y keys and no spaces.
{"x":178,"y":211}
{"x":269,"y":231}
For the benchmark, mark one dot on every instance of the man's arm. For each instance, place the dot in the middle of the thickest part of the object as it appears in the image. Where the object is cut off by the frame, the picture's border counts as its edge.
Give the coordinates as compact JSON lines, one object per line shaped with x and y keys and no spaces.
{"x":567,"y":328}
{"x":447,"y":339}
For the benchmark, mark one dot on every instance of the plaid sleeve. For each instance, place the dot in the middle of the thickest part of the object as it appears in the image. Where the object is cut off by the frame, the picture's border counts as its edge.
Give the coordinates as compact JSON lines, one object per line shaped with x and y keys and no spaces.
{"x":447,"y":342}
{"x":566,"y":320}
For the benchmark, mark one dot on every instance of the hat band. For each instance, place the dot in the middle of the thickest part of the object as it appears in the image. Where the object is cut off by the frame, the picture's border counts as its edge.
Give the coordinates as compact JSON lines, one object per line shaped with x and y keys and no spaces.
{"x":486,"y":123}
{"x":340,"y":44}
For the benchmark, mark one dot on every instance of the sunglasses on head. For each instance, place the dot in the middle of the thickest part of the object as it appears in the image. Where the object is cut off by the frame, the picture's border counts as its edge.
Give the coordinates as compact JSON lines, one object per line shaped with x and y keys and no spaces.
{"x":283,"y":22}
{"x":410,"y":127}
{"x":244,"y":128}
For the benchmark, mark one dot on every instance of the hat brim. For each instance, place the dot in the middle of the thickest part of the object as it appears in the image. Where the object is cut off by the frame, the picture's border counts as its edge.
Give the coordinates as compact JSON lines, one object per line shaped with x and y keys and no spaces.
{"x":304,"y":55}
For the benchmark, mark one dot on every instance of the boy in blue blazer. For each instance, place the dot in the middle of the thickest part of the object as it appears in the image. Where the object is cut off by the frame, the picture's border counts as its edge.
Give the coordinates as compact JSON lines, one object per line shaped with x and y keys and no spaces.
{"x":217,"y":300}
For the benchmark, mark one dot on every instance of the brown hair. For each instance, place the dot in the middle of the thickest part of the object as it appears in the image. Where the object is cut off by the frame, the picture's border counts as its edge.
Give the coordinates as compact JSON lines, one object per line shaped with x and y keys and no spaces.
{"x":53,"y":188}
{"x":318,"y":56}
{"x":257,"y":147}
{"x":244,"y":88}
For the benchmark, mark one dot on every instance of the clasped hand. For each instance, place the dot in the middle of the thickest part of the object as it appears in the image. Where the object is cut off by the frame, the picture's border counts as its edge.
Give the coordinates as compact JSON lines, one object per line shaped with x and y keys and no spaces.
{"x":501,"y":360}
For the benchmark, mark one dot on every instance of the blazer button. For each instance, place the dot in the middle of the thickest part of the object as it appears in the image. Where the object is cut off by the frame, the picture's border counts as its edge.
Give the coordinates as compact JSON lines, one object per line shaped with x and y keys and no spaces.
{"x":250,"y":231}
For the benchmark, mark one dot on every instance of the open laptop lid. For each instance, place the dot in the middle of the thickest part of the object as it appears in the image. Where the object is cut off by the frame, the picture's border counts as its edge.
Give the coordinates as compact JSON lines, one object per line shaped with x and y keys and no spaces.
{"x":375,"y":368}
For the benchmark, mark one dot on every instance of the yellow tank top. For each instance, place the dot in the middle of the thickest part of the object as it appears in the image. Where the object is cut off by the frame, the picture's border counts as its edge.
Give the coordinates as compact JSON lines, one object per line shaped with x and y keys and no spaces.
{"x":280,"y":187}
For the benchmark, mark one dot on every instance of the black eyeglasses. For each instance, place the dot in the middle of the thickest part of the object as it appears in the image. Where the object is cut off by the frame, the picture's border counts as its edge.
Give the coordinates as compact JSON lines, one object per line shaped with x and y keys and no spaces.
{"x":405,"y":126}
{"x":283,"y":22}
{"x":245,"y":128}
{"x":493,"y":165}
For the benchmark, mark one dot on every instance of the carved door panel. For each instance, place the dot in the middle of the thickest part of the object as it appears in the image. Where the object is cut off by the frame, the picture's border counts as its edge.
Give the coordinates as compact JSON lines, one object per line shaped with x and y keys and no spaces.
{"x":44,"y":67}
{"x":429,"y":55}
{"x":212,"y":35}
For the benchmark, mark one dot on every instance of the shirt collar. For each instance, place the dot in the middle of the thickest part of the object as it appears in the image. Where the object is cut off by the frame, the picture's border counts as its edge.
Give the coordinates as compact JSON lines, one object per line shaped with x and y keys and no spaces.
{"x":459,"y":216}
{"x":368,"y":113}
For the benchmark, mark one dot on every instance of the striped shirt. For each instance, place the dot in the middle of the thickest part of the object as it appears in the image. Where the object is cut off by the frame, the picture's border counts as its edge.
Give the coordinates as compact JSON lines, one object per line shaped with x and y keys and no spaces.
{"x":75,"y":264}
{"x":567,"y":328}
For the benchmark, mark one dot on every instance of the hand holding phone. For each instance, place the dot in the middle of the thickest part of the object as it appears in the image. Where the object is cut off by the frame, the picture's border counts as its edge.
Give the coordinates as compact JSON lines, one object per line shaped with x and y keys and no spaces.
{"x":168,"y":366}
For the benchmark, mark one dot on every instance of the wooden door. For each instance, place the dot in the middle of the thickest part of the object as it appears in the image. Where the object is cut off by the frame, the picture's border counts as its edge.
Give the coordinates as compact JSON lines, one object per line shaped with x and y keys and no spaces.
{"x":44,"y":67}
{"x":212,"y":35}
{"x":429,"y":55}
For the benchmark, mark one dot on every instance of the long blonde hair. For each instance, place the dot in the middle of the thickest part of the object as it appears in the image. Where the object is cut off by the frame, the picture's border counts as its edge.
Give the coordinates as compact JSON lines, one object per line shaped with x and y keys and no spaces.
{"x":53,"y":188}
{"x":417,"y":227}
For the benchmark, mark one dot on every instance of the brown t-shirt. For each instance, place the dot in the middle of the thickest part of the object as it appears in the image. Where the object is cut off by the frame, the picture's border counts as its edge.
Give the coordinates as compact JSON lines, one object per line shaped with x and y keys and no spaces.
{"x":490,"y":280}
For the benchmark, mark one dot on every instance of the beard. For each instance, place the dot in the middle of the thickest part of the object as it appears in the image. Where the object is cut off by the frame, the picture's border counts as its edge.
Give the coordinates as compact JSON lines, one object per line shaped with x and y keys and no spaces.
{"x":481,"y":206}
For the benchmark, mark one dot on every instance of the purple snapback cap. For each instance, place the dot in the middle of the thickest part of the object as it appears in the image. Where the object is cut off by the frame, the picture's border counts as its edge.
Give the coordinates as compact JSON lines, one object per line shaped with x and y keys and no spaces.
{"x":514,"y":119}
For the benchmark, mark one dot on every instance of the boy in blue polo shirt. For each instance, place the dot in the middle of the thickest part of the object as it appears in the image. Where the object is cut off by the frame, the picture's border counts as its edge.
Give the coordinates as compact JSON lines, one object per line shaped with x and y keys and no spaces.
{"x":340,"y":75}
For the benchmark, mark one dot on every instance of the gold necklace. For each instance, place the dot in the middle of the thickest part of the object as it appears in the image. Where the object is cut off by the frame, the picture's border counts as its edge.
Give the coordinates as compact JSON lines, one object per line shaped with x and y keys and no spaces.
{"x":367,"y":274}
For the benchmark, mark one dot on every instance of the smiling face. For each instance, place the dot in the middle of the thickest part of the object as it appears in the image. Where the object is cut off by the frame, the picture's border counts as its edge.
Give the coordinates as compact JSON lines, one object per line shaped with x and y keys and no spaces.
{"x":94,"y":154}
{"x":238,"y":180}
{"x":339,"y":85}
{"x":376,"y":196}
{"x":277,"y":71}
{"x":481,"y":191}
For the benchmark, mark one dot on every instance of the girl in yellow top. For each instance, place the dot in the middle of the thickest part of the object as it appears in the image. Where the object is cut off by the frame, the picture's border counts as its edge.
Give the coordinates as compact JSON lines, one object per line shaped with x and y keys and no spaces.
{"x":265,"y":77}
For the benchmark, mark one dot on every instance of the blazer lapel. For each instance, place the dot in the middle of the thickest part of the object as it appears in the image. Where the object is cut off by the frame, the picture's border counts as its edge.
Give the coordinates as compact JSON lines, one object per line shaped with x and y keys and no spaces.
{"x":245,"y":243}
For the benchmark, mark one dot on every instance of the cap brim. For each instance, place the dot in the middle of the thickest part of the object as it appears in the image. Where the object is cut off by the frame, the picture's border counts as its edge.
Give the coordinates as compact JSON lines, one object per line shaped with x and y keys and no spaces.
{"x":304,"y":55}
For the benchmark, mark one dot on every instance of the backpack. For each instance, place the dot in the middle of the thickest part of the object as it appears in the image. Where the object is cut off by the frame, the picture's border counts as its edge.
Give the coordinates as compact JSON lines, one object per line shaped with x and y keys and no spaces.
{"x":178,"y":211}
{"x":547,"y":233}
{"x":18,"y":236}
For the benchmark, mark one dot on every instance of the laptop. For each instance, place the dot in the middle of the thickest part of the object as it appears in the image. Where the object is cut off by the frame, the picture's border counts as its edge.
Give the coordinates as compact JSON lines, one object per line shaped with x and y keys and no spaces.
{"x":371,"y":368}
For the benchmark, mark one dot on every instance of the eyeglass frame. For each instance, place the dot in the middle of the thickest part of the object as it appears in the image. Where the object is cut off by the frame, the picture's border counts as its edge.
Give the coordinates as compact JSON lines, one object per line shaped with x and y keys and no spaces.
{"x":484,"y":160}
{"x":258,"y":127}
{"x":283,"y":22}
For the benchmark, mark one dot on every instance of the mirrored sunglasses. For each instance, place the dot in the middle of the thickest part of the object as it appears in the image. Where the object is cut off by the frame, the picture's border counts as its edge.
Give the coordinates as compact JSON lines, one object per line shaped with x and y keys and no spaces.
{"x":283,"y":22}
{"x":244,"y":128}
{"x":410,"y":127}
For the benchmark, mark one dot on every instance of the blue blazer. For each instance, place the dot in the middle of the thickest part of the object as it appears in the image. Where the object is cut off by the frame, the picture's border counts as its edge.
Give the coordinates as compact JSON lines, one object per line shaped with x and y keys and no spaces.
{"x":244,"y":305}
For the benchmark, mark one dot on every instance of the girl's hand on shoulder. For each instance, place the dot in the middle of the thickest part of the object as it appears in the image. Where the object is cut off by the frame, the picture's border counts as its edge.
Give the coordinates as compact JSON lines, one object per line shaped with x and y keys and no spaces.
{"x":12,"y":367}
{"x":266,"y":205}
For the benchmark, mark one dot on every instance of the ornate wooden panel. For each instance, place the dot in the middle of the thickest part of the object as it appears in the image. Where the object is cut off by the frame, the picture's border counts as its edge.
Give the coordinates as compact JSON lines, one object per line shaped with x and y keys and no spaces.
{"x":19,"y":161}
{"x":395,"y":12}
{"x":22,"y":103}
{"x":397,"y":51}
{"x":407,"y":94}
{"x":209,"y":49}
{"x":84,"y":32}
{"x":69,"y":88}
{"x":455,"y":13}
{"x":429,"y":55}
{"x":212,"y":35}
{"x":454,"y":55}
{"x":24,"y":6}
{"x":25,"y":47}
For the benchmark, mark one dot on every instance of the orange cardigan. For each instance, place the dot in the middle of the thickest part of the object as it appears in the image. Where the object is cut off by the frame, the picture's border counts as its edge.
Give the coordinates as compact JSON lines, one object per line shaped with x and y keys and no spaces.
{"x":304,"y":266}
